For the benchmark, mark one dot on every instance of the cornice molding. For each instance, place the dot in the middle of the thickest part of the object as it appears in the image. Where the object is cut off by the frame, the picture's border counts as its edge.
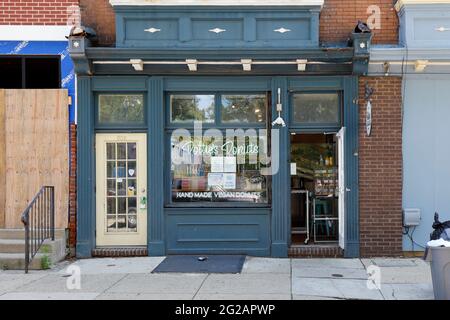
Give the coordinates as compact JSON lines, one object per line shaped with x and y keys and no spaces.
{"x":216,"y":3}
{"x":401,"y":3}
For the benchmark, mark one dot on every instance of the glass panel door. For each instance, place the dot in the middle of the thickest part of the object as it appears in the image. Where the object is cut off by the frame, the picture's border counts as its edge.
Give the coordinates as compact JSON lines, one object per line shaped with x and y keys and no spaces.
{"x":121,"y":189}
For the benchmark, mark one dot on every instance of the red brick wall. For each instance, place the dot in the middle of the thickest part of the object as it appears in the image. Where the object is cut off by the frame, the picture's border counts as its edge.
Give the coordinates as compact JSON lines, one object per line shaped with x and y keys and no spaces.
{"x":73,"y":188}
{"x":35,"y":12}
{"x":99,"y":15}
{"x":380,"y":169}
{"x":339,"y":17}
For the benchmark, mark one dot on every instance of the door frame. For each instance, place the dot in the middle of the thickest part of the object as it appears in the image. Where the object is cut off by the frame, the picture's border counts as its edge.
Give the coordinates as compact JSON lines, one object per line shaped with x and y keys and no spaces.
{"x":103,"y":239}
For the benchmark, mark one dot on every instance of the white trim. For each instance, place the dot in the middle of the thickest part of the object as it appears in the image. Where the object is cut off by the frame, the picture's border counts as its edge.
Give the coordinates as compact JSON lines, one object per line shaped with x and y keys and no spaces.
{"x":33,"y":33}
{"x":401,"y":3}
{"x":216,"y":2}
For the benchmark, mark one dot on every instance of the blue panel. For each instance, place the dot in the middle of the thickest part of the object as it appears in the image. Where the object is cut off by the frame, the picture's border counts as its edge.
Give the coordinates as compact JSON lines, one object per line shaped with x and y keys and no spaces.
{"x":134,"y":83}
{"x":420,"y":25}
{"x":226,"y":29}
{"x":135,"y":29}
{"x":426,"y":154}
{"x":47,"y":48}
{"x":210,"y":27}
{"x":218,"y":230}
{"x":288,"y":29}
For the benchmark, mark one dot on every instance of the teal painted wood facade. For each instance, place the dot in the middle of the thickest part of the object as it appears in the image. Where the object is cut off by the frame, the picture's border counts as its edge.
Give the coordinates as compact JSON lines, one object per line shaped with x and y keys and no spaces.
{"x":170,"y":229}
{"x":230,"y":27}
{"x":182,"y":33}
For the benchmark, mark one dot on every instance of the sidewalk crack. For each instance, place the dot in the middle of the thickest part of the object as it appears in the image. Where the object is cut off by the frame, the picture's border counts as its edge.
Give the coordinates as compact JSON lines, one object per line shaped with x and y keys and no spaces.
{"x":201,"y":285}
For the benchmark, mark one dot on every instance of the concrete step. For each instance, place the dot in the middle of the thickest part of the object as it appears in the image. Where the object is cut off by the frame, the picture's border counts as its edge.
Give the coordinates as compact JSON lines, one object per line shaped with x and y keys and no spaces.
{"x":12,"y":246}
{"x":16,"y":261}
{"x":20,"y":233}
{"x":18,"y":246}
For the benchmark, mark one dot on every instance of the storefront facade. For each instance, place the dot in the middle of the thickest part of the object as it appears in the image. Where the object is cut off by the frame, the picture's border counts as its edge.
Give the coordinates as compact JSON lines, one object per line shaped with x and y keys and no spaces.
{"x":173,"y":122}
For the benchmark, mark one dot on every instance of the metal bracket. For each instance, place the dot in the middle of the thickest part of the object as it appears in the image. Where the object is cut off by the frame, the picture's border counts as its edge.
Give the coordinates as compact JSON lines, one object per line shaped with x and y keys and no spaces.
{"x":368,"y":91}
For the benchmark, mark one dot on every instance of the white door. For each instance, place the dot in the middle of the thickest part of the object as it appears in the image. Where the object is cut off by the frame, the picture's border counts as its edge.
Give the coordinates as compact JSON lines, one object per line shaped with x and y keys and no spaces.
{"x":121,"y":192}
{"x":342,"y":187}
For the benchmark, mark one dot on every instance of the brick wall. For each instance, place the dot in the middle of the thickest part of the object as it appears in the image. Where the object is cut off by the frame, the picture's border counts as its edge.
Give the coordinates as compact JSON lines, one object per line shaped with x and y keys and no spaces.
{"x":380,"y":169}
{"x":338,"y":18}
{"x":73,"y":188}
{"x":35,"y":12}
{"x":99,"y":15}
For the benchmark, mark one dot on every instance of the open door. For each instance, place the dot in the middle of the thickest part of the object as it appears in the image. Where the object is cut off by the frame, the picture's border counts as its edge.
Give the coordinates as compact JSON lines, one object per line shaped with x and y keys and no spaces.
{"x":342,"y":188}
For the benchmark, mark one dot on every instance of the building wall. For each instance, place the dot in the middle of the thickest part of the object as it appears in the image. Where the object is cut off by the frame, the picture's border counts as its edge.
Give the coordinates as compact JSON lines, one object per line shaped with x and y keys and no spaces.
{"x":36,"y":12}
{"x":337,"y":19}
{"x":427,"y":152}
{"x":380,"y":169}
{"x":99,"y":15}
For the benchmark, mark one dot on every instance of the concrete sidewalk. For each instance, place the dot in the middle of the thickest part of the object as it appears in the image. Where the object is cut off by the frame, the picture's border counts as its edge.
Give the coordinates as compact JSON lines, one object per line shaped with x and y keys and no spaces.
{"x":261,"y":278}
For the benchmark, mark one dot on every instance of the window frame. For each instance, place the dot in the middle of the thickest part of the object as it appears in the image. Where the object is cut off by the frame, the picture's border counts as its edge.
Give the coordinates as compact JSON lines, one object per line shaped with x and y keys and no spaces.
{"x":168,"y":203}
{"x":217,"y":124}
{"x":119,"y":125}
{"x":316,"y":125}
{"x":24,"y":57}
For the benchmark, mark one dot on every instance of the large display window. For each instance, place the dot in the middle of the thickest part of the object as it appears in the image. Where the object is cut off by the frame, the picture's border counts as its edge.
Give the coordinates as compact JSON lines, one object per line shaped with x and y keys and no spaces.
{"x":226,"y":165}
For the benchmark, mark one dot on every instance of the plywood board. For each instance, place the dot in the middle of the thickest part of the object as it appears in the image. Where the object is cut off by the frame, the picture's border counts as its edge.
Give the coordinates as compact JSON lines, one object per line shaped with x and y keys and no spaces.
{"x":37,"y":150}
{"x":2,"y":159}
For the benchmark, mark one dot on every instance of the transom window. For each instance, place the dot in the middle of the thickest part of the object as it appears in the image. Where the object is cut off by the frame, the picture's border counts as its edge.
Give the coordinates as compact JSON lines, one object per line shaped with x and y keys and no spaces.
{"x":316,"y":108}
{"x":121,"y":109}
{"x":224,"y":108}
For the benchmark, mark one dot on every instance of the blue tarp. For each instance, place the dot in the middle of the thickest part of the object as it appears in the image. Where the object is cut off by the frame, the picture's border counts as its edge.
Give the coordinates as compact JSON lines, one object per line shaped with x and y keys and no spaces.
{"x":49,"y":48}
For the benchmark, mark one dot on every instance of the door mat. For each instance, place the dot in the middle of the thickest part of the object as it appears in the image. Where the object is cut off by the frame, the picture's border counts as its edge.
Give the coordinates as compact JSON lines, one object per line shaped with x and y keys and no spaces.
{"x":201,"y":264}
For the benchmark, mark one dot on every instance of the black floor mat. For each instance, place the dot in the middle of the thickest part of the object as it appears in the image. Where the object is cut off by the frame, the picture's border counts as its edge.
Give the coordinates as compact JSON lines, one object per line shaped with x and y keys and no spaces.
{"x":192,"y":264}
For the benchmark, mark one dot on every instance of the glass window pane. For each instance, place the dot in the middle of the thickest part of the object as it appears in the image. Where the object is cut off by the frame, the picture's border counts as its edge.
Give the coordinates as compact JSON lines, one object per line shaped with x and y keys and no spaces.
{"x":126,"y":109}
{"x":244,"y":108}
{"x":132,"y":223}
{"x":121,"y":169}
{"x":121,"y":223}
{"x":131,"y":153}
{"x":189,"y":108}
{"x":121,"y":205}
{"x":111,"y":169}
{"x":131,"y":187}
{"x":111,"y":187}
{"x":111,"y":151}
{"x":131,"y":172}
{"x":132,"y":208}
{"x":200,"y":175}
{"x":316,"y":108}
{"x":111,"y":223}
{"x":111,"y":207}
{"x":121,"y":151}
{"x":121,"y":187}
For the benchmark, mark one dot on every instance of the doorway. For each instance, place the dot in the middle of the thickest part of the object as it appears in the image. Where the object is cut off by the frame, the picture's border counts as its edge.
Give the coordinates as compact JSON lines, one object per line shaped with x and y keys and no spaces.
{"x":317,"y":180}
{"x":121,"y":195}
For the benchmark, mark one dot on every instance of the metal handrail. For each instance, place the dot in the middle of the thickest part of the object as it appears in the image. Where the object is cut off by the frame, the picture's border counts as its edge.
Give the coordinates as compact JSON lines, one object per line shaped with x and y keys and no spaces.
{"x":39,"y":222}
